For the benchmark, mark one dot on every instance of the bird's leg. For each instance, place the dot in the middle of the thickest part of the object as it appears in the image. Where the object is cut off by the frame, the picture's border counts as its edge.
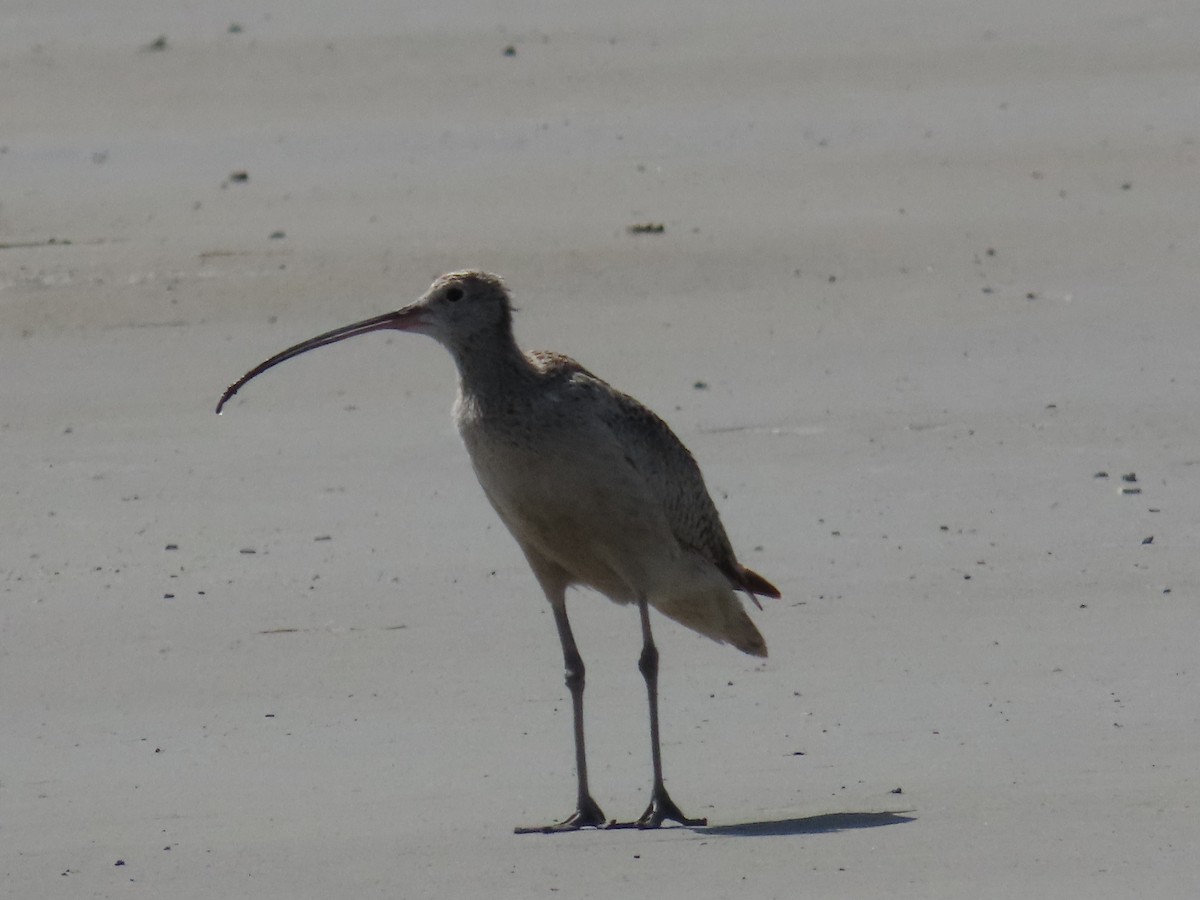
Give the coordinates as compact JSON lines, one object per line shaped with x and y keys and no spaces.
{"x":587,"y":811}
{"x":662,"y":807}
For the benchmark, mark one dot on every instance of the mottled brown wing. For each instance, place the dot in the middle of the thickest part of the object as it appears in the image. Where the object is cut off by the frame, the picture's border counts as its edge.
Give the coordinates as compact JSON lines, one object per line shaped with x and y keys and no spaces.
{"x":668,"y":468}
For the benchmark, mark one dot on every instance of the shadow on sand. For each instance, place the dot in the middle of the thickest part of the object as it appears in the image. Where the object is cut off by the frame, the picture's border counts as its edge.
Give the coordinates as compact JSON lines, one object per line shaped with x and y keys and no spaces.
{"x":826,"y":824}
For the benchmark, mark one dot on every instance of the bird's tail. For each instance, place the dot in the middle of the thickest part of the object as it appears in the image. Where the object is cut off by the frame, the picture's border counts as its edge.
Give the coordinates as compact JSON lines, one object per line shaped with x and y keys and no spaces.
{"x":708,"y":605}
{"x":753,"y":583}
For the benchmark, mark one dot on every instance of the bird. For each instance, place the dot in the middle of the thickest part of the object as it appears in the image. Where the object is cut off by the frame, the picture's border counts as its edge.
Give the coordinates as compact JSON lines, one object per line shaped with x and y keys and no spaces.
{"x":596,"y":489}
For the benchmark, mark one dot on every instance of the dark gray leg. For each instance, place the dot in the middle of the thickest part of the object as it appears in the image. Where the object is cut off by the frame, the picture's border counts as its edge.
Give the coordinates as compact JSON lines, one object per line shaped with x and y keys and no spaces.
{"x":661,"y":807}
{"x":587,"y":811}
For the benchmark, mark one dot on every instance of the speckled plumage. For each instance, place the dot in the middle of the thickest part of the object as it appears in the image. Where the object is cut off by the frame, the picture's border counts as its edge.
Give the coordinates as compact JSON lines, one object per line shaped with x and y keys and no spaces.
{"x":596,"y":489}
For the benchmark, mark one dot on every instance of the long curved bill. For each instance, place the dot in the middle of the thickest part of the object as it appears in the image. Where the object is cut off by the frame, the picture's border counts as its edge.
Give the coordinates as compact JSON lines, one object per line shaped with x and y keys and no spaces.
{"x":399,"y":320}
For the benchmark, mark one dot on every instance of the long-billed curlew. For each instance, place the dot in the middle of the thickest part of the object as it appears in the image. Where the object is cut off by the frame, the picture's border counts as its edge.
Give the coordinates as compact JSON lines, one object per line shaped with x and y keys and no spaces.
{"x":596,"y":489}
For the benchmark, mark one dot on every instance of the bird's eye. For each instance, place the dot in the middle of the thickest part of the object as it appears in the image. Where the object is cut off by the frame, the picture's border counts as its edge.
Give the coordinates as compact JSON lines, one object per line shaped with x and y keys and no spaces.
{"x":453,"y":294}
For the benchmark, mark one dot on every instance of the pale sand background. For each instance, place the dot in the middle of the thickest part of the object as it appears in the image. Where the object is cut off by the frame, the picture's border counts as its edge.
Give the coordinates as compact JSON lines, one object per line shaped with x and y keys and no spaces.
{"x":935,"y":261}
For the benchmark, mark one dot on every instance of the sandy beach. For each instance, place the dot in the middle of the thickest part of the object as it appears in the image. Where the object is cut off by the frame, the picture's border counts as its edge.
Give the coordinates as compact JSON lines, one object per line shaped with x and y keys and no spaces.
{"x":923,"y":304}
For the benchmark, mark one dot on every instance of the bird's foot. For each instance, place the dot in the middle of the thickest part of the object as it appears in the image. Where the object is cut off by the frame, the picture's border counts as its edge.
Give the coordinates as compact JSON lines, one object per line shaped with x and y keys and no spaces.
{"x":661,"y":809}
{"x":587,"y":815}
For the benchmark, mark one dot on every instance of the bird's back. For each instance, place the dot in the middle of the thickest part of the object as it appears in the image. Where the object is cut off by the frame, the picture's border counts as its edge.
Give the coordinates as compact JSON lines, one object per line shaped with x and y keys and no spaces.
{"x":590,"y":481}
{"x":670,"y":471}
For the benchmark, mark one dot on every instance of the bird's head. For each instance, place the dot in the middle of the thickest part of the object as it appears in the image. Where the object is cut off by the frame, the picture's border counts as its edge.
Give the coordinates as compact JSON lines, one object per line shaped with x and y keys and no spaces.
{"x":461,"y":310}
